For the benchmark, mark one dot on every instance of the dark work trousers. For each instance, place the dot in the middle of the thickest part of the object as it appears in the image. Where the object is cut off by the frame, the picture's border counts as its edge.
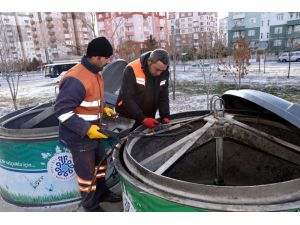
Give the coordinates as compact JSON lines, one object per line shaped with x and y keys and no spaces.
{"x":85,"y":162}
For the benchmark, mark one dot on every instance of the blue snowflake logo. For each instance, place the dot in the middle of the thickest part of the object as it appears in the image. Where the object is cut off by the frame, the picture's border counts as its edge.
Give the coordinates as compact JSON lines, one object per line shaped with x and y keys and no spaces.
{"x":64,"y":166}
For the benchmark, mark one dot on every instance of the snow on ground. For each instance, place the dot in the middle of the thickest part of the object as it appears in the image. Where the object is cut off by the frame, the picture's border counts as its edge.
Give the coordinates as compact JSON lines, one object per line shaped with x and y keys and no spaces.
{"x":35,"y":88}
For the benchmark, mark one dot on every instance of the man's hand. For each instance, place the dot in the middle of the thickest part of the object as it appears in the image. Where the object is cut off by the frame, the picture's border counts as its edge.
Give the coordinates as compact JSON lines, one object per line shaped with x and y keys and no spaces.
{"x":165,"y":120}
{"x":108,"y":111}
{"x":93,"y":133}
{"x":150,"y":123}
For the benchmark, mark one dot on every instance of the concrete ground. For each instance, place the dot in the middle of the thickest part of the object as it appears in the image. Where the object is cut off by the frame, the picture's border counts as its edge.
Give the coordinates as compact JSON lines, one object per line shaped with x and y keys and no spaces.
{"x":109,"y":207}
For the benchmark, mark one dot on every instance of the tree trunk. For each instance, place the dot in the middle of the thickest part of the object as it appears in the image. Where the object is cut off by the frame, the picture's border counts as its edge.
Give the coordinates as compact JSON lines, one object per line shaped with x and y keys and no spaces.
{"x":15,"y":103}
{"x":265,"y":63}
{"x":289,"y":70}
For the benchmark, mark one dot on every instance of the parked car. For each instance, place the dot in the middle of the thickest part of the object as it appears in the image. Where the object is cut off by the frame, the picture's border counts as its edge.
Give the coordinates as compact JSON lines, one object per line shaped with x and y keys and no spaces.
{"x":294,"y":57}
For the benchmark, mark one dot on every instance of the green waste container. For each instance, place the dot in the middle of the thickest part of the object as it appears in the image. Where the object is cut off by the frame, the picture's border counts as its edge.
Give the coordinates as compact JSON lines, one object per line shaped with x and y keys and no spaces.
{"x":35,"y":170}
{"x":253,"y":180}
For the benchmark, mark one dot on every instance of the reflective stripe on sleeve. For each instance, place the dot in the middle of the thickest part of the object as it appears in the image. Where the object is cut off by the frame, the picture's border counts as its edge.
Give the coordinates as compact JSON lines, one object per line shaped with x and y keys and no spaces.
{"x":63,"y":117}
{"x":88,"y":117}
{"x":90,"y":104}
{"x":140,"y":81}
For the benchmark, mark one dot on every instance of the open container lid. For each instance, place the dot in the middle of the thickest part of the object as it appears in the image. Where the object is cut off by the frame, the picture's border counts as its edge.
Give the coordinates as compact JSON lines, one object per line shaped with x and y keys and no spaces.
{"x":260,"y":101}
{"x":113,"y":75}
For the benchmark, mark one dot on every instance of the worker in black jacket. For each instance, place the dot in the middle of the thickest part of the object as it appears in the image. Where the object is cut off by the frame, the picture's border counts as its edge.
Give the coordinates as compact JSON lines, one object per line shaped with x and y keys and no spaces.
{"x":145,"y":89}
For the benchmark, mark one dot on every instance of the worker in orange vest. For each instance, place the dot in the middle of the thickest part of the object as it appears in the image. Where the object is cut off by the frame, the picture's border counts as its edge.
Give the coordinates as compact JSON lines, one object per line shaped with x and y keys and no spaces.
{"x":144,"y":89}
{"x":79,"y":108}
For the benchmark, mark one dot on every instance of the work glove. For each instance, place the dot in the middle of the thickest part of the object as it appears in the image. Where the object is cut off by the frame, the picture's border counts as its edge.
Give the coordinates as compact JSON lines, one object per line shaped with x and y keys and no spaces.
{"x":165,"y":120}
{"x":108,"y":111}
{"x":150,"y":123}
{"x":94,"y":132}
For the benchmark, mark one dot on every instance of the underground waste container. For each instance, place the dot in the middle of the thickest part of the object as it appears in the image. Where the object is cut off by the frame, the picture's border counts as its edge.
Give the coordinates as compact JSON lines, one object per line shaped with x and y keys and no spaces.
{"x":35,"y":170}
{"x":242,"y":155}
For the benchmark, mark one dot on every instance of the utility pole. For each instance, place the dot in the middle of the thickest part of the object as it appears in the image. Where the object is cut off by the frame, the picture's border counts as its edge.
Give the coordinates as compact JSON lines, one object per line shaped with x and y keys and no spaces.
{"x":174,"y":57}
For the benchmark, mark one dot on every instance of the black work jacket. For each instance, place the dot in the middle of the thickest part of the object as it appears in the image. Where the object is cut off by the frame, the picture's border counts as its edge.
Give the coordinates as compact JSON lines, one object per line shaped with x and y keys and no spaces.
{"x":137,"y":101}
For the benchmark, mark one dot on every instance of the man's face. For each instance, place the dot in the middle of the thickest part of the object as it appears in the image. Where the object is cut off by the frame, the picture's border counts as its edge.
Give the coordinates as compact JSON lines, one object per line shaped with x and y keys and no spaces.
{"x":156,"y":68}
{"x":101,"y":61}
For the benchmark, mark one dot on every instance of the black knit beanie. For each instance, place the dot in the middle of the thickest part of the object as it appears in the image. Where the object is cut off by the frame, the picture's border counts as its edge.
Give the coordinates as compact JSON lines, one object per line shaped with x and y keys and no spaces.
{"x":99,"y":46}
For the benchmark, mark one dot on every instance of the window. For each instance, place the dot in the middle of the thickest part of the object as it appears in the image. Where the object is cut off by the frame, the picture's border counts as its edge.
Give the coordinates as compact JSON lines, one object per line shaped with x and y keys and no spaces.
{"x":296,"y":42}
{"x":236,"y":34}
{"x":297,"y":15}
{"x":251,"y":33}
{"x":291,"y":15}
{"x":297,"y":28}
{"x":190,"y":19}
{"x":182,"y":20}
{"x":267,"y":35}
{"x":279,"y":16}
{"x":268,"y":23}
{"x":262,"y":23}
{"x":261,"y":35}
{"x":277,"y":43}
{"x":252,"y":20}
{"x":190,"y":14}
{"x":278,"y":30}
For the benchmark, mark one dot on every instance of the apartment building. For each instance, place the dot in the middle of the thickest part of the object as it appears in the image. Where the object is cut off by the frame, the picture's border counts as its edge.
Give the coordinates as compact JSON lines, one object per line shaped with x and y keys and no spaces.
{"x":15,"y":38}
{"x":119,"y":27}
{"x":223,"y":30}
{"x":274,"y":31}
{"x":192,"y":29}
{"x":46,"y":36}
{"x":59,"y":35}
{"x":245,"y":25}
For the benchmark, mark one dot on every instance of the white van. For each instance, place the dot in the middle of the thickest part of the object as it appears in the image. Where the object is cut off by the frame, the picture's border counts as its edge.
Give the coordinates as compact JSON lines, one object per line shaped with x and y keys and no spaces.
{"x":284,"y":57}
{"x":55,"y":71}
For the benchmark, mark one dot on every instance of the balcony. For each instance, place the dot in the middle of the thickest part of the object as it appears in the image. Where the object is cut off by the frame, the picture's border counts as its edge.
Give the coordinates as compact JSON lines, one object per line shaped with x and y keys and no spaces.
{"x":238,"y":28}
{"x":51,"y":33}
{"x":129,"y":33}
{"x":50,"y":25}
{"x":127,"y":24}
{"x":53,"y":46}
{"x":49,"y":18}
{"x":238,"y":15}
{"x":65,"y":25}
{"x":64,"y":17}
{"x":293,"y":22}
{"x":52,"y":39}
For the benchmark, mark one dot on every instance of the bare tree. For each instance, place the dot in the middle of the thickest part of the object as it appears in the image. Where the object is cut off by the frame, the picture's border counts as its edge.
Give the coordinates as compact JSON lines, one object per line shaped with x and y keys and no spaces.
{"x":91,"y":23}
{"x":241,"y":57}
{"x":11,"y":61}
{"x":129,"y":50}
